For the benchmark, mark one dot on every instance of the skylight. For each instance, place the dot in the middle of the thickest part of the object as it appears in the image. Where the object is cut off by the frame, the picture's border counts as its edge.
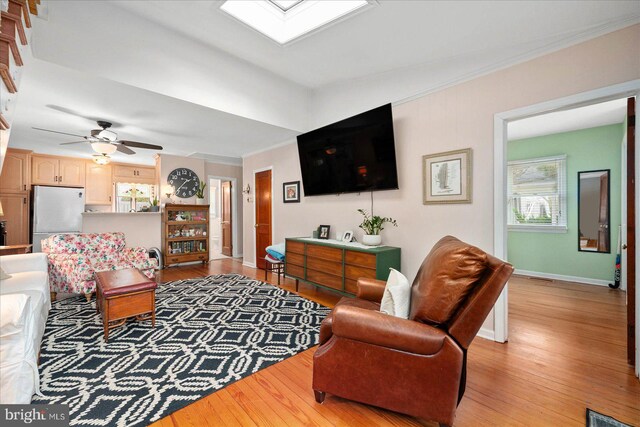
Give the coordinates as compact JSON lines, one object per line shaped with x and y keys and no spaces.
{"x":286,"y":20}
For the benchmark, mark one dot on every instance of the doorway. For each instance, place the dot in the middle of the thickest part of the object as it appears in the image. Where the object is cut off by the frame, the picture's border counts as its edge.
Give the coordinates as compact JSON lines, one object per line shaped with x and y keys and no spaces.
{"x":222,"y":217}
{"x":263,"y":215}
{"x":624,"y":90}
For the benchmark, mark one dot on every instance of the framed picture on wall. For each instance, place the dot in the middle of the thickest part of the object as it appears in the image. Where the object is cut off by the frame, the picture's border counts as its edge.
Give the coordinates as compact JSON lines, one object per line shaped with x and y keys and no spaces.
{"x":446,"y":177}
{"x":291,"y":192}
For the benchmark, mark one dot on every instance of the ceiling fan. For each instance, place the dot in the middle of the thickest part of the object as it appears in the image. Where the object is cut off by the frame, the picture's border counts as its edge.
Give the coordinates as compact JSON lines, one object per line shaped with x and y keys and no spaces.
{"x":104,"y":142}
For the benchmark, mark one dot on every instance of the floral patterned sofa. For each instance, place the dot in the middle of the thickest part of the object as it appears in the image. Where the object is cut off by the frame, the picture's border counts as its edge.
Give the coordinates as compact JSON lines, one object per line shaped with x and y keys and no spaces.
{"x":74,"y":258}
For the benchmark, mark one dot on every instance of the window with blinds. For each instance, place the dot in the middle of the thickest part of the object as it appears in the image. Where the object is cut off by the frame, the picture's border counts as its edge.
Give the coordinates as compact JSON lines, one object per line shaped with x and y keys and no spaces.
{"x":536,"y":194}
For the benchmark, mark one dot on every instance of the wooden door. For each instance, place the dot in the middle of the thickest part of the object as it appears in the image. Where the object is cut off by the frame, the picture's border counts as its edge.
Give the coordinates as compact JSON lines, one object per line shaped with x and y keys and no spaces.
{"x":603,"y":215}
{"x":15,"y":171}
{"x":263,"y":216}
{"x":16,"y":215}
{"x":72,"y":173}
{"x":225,"y":220}
{"x":99,"y":185}
{"x":44,"y":170}
{"x":631,"y":232}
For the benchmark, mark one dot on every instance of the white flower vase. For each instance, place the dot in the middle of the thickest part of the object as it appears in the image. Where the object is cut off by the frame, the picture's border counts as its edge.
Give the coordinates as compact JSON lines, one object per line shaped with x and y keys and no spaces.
{"x":371,"y":239}
{"x":201,"y":201}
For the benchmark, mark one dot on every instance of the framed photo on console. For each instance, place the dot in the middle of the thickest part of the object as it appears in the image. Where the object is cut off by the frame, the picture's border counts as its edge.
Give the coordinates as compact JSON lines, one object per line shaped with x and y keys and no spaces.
{"x":291,"y":192}
{"x":446,"y":177}
{"x":323,"y":232}
{"x":347,"y":236}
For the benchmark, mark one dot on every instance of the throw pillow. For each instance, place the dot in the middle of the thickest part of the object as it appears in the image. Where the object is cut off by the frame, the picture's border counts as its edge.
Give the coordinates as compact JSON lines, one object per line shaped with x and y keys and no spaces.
{"x":397,"y":295}
{"x":4,"y":275}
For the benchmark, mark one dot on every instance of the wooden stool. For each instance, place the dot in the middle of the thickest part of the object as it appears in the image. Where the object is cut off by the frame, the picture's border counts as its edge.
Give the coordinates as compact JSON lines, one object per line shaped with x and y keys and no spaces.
{"x":121,"y":294}
{"x":275,"y":266}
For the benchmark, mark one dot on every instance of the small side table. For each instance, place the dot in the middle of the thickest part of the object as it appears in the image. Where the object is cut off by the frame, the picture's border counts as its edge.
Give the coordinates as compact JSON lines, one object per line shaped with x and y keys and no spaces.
{"x":15,"y":249}
{"x":275,"y":266}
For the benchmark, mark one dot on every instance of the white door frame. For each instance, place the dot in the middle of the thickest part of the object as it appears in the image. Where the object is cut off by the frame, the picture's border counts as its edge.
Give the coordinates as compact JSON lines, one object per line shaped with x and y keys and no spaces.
{"x":255,"y":252}
{"x":234,"y":211}
{"x":623,"y":90}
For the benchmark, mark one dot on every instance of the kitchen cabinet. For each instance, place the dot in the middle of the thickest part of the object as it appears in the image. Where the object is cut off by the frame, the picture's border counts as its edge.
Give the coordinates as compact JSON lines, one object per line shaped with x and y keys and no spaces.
{"x":59,"y":171}
{"x":16,"y":215}
{"x":99,"y":188}
{"x":134,"y":174}
{"x":15,"y":175}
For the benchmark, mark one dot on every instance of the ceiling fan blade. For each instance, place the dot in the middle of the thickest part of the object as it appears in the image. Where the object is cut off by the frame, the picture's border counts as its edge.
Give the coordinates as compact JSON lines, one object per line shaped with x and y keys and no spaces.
{"x":140,"y":145}
{"x":62,"y":133}
{"x":72,"y":142}
{"x":126,"y":150}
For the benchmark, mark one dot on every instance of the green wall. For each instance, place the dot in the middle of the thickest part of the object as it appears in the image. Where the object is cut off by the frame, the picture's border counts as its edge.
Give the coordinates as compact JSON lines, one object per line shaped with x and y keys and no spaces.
{"x":557,"y":253}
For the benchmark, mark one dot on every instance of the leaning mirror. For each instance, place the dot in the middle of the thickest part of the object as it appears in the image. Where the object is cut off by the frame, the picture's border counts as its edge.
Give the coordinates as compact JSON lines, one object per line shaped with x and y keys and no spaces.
{"x":593,"y":211}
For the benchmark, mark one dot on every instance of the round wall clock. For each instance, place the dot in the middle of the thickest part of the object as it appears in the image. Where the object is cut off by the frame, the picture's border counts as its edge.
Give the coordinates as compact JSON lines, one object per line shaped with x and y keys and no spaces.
{"x":185,"y":182}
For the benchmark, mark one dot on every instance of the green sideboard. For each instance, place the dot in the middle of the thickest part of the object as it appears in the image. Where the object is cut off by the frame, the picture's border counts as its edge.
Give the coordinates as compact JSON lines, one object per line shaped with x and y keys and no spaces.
{"x":337,"y":266}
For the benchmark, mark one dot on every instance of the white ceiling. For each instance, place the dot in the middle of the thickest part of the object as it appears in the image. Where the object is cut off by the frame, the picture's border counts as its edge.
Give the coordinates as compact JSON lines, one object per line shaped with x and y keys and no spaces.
{"x":604,"y":113}
{"x":65,"y":100}
{"x":184,"y":75}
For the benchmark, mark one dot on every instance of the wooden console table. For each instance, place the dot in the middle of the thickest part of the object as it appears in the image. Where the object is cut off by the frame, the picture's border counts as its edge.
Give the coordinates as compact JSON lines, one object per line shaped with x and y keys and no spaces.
{"x":337,"y":266}
{"x":15,"y":249}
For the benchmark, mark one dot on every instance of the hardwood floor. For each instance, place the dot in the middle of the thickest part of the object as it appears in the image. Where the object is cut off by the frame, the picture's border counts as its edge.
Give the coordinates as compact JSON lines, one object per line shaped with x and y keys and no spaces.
{"x":566,"y":352}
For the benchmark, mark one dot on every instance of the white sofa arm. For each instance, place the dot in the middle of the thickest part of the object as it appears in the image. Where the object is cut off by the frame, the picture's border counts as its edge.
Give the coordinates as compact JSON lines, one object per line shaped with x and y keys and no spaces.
{"x":27,"y":262}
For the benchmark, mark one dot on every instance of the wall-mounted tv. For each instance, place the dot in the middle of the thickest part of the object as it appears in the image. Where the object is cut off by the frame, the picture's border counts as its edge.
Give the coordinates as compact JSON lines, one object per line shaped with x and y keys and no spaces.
{"x":353,"y":155}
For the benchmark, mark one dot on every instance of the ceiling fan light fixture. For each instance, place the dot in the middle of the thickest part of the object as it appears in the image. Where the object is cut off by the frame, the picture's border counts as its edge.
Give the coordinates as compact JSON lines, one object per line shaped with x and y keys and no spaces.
{"x":103,"y":147}
{"x":101,"y":159}
{"x":108,"y":135}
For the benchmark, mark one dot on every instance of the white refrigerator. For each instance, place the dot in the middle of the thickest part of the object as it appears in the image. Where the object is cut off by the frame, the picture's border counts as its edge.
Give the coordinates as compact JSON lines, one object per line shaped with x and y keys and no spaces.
{"x":56,"y":210}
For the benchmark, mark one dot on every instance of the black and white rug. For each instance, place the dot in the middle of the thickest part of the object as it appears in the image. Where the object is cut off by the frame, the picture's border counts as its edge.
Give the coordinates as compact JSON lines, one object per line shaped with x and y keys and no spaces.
{"x":209,"y":333}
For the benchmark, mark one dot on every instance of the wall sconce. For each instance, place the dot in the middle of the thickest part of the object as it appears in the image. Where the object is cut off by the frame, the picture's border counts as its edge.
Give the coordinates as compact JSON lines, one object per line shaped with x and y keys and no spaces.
{"x":247,"y":190}
{"x":168,"y":191}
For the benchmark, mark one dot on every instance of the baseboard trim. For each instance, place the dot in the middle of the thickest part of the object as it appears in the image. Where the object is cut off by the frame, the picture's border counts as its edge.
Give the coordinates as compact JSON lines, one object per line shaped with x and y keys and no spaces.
{"x":487,"y":334}
{"x":248,"y":264}
{"x":576,"y":279}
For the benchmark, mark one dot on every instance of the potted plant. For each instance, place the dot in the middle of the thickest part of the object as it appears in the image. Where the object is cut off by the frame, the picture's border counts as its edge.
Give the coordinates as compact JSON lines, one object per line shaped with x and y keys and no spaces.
{"x":154,"y":205}
{"x":372,"y":226}
{"x":200,"y":194}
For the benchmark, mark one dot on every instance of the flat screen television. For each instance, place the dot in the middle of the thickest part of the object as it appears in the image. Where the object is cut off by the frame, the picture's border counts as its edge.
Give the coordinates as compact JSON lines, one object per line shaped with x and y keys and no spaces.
{"x":353,"y":155}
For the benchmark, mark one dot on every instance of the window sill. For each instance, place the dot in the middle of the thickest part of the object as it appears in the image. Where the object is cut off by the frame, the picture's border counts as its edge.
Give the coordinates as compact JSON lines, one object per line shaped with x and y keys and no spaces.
{"x":538,"y":228}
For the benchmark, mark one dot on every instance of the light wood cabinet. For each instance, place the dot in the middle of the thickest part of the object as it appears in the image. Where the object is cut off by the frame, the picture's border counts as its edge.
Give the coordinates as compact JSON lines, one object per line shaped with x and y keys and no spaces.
{"x":99,"y":188}
{"x":16,"y":214}
{"x":72,"y":173}
{"x":135,"y":174}
{"x":15,"y":171}
{"x":44,"y":170}
{"x":60,"y":171}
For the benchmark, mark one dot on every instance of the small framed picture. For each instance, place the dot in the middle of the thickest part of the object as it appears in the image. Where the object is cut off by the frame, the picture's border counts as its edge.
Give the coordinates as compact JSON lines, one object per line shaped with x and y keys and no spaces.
{"x":446,"y":177}
{"x":323,"y":232}
{"x":291,"y":192}
{"x":347,"y":236}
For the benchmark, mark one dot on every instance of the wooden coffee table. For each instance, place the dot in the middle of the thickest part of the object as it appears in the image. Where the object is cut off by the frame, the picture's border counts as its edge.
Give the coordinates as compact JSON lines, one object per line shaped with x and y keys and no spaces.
{"x":121,"y":294}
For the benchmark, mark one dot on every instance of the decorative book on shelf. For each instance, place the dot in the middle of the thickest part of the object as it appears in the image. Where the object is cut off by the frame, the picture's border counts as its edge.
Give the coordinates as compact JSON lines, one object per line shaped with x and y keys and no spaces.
{"x":185,"y":233}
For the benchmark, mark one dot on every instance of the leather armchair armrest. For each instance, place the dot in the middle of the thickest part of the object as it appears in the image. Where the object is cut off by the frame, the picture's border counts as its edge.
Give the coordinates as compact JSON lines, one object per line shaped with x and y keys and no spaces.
{"x":370,"y":289}
{"x":381,"y":329}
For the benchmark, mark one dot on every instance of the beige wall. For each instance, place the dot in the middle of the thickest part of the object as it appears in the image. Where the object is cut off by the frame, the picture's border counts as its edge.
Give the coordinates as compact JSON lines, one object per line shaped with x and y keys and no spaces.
{"x":453,"y":118}
{"x":140,"y":229}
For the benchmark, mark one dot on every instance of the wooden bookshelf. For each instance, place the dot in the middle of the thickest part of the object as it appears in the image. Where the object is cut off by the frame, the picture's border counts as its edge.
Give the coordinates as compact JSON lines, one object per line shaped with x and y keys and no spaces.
{"x":185,"y":233}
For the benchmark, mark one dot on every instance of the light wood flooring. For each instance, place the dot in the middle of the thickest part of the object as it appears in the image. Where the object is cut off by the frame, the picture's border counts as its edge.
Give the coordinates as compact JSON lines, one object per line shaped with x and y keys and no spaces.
{"x":566,"y":352}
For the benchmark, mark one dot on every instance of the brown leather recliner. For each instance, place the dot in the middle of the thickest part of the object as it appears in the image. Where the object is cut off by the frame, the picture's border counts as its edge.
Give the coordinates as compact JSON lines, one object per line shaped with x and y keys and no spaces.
{"x":415,"y":366}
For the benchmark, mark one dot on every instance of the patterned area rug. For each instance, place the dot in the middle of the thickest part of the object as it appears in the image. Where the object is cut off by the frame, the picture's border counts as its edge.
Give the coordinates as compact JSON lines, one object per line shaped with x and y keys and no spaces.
{"x":596,"y":419}
{"x":209,"y":333}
